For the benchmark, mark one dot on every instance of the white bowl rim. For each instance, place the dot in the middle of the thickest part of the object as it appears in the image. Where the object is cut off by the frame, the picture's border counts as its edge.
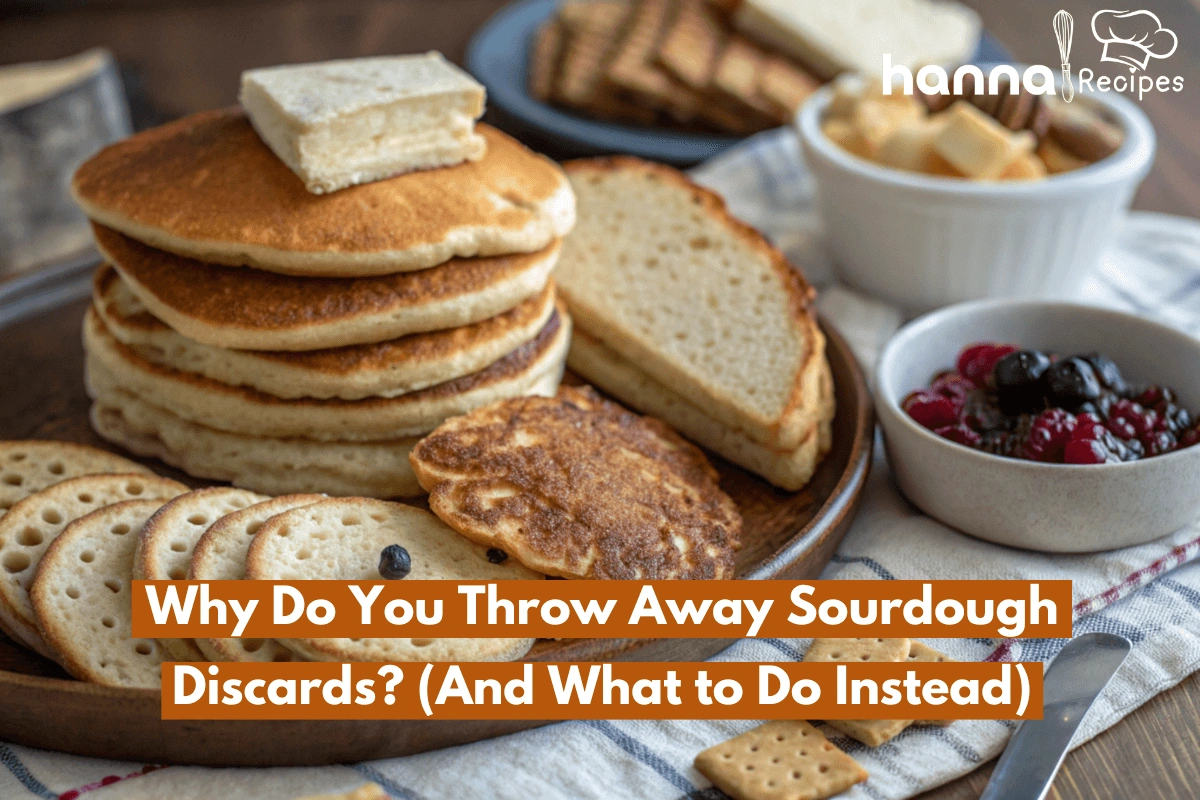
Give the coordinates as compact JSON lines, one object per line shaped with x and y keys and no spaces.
{"x":890,"y":404}
{"x":1135,"y":154}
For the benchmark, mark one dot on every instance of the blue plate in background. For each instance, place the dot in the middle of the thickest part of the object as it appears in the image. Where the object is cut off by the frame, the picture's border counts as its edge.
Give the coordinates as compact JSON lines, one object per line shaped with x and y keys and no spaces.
{"x":498,"y":55}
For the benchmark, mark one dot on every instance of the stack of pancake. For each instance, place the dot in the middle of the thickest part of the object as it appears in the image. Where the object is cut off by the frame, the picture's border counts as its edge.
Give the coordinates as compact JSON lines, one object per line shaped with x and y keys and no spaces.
{"x":246,"y":330}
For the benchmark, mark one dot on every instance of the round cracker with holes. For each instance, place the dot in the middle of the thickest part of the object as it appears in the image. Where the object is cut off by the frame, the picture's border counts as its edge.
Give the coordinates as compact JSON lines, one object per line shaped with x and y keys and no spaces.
{"x":220,"y":555}
{"x":33,"y":523}
{"x":343,"y":538}
{"x":165,"y":545}
{"x":81,"y":599}
{"x":30,"y":466}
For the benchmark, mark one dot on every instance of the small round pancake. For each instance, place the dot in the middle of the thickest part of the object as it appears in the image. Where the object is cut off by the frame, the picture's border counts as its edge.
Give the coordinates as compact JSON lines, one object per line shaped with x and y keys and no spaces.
{"x":577,"y":486}
{"x":220,"y":555}
{"x":534,"y":368}
{"x":270,"y":466}
{"x":248,"y":309}
{"x":30,"y":466}
{"x":81,"y":598}
{"x":166,"y":543}
{"x":206,"y":186}
{"x":386,"y":369}
{"x":33,"y":523}
{"x":342,"y":539}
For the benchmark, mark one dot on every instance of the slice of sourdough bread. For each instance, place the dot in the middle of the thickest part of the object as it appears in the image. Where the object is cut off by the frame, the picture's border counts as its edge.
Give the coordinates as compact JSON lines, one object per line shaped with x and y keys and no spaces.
{"x":787,"y":469}
{"x":660,"y":272}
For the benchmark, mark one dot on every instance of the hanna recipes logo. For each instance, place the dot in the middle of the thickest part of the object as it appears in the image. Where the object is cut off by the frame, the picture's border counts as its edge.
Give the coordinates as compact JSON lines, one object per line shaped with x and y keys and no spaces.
{"x":1129,"y":38}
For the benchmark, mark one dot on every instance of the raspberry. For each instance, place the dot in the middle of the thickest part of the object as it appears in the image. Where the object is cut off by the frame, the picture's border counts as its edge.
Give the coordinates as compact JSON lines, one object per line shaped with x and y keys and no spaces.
{"x":954,"y":388}
{"x":1122,"y":428}
{"x":1190,"y":438}
{"x":1159,"y":443}
{"x":930,"y":410}
{"x":1050,"y":432}
{"x":960,"y":434}
{"x":975,"y":362}
{"x":1151,"y":396}
{"x":1142,"y":419}
{"x":1087,"y":451}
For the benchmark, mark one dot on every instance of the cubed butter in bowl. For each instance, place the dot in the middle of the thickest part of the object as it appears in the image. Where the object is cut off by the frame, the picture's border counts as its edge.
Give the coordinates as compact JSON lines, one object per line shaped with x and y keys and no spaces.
{"x":927,"y":209}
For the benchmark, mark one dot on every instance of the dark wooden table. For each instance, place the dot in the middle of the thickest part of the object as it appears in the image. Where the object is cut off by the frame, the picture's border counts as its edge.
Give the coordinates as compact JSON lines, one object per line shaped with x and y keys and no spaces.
{"x":180,"y":57}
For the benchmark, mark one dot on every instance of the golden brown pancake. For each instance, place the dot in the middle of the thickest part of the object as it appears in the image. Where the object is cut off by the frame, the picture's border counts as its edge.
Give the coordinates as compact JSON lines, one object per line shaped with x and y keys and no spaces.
{"x":577,"y":486}
{"x":206,"y":186}
{"x":249,"y":309}
{"x":534,"y":368}
{"x":386,"y":369}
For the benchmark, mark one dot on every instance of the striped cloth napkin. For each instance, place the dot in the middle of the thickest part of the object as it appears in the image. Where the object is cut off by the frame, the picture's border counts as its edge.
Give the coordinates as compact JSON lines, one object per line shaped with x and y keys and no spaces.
{"x":1150,"y":594}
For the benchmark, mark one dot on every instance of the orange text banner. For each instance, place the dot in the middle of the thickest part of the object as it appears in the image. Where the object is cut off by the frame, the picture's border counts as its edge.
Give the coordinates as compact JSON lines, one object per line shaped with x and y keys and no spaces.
{"x":558,"y":691}
{"x":615,"y":609}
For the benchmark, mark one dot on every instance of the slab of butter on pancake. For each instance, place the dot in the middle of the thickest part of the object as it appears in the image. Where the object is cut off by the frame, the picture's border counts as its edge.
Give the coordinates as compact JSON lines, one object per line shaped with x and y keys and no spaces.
{"x":342,"y":123}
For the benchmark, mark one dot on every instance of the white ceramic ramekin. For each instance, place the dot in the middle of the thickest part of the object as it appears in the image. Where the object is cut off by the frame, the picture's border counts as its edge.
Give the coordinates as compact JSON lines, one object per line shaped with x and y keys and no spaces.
{"x":923,"y":241}
{"x":1061,"y":508}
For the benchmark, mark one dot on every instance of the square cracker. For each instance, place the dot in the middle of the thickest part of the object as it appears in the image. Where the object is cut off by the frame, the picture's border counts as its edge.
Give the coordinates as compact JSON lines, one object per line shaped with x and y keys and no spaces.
{"x":874,"y":732}
{"x":780,"y":760}
{"x":691,"y":43}
{"x":784,"y":85}
{"x":923,"y":652}
{"x":847,"y":650}
{"x":589,"y":29}
{"x":543,"y":59}
{"x":736,"y":78}
{"x":633,"y":71}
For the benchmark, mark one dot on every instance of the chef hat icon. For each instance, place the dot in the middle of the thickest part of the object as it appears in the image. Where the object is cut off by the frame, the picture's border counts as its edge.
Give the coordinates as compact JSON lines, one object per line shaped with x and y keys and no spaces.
{"x":1132,"y":38}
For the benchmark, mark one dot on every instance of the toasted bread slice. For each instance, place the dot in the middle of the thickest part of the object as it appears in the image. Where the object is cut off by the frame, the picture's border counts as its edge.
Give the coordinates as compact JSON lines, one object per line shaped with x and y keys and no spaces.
{"x":166,"y":543}
{"x":81,"y":599}
{"x":787,"y":469}
{"x":220,"y":555}
{"x":659,"y":271}
{"x":343,"y":539}
{"x":577,"y":486}
{"x":32,"y":525}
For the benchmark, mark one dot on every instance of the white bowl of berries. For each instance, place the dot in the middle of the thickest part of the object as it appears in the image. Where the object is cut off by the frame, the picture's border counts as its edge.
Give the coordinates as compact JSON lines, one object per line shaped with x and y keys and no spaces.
{"x":1047,"y":426}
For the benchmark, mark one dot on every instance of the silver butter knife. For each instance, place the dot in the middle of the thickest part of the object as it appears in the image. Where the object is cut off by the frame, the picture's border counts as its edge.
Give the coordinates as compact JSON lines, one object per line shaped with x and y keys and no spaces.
{"x":1037,"y":748}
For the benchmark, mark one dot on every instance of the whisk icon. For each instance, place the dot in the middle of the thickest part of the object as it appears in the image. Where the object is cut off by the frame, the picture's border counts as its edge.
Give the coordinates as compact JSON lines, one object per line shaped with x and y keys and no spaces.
{"x":1064,"y":29}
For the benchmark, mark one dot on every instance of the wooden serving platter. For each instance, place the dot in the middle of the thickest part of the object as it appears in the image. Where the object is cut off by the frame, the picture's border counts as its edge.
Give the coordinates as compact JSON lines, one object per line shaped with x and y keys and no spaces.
{"x":786,"y":535}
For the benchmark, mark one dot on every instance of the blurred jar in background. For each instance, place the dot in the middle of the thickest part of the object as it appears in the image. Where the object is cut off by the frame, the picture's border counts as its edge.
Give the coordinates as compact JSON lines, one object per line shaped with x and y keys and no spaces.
{"x":53,"y":115}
